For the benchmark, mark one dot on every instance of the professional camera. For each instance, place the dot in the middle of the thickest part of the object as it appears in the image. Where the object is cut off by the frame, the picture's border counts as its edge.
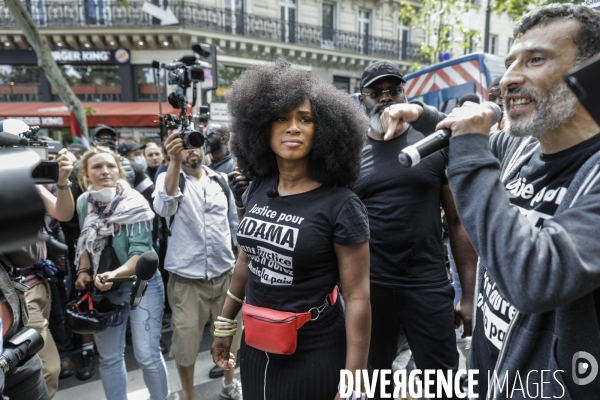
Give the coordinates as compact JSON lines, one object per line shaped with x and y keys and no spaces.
{"x":20,"y":348}
{"x":185,"y":72}
{"x":16,"y":135}
{"x":191,"y":139}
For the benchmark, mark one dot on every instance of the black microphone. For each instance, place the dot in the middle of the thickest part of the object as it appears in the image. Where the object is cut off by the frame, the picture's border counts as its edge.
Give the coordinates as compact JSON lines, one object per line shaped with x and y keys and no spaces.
{"x":271,"y":194}
{"x":188,"y":59}
{"x":131,"y":278}
{"x":144,"y":270}
{"x":8,"y":139}
{"x":412,"y":155}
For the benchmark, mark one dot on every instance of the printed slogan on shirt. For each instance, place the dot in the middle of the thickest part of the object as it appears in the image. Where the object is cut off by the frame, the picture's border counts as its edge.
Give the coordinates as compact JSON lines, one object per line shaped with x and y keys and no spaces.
{"x":272,"y":267}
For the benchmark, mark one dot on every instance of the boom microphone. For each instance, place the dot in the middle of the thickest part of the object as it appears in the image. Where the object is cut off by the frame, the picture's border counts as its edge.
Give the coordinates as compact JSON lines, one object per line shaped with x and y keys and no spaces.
{"x":412,"y":155}
{"x":8,"y":139}
{"x":145,"y":268}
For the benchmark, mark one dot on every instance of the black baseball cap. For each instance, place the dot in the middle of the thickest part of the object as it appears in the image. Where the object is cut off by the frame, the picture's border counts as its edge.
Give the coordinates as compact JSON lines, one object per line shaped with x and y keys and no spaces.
{"x":129,"y":146}
{"x":104,"y":130}
{"x":379,"y":70}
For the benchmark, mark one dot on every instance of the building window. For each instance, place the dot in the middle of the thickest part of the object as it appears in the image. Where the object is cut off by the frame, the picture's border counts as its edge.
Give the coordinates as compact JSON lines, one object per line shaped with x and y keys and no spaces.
{"x":470,"y":40}
{"x":226,"y":77}
{"x":37,"y":9}
{"x":234,"y":16}
{"x":403,"y":40}
{"x":145,"y":78}
{"x":342,"y":83}
{"x":92,"y":82}
{"x":364,"y":30}
{"x":19,"y":83}
{"x":493,"y":44}
{"x":97,"y":12}
{"x":288,"y":20}
{"x":510,"y":43}
{"x":328,"y":25}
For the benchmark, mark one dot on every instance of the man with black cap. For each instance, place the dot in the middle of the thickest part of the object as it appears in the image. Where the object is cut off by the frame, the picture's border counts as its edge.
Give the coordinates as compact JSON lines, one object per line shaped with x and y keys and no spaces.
{"x":133,"y":152}
{"x":409,"y":282}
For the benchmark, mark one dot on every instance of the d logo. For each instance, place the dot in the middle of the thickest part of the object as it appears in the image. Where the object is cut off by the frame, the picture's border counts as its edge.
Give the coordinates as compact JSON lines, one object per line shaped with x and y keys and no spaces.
{"x":581,"y":367}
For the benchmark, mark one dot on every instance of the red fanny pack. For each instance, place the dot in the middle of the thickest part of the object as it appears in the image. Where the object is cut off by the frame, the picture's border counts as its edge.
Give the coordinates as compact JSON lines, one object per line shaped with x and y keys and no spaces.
{"x":277,"y":331}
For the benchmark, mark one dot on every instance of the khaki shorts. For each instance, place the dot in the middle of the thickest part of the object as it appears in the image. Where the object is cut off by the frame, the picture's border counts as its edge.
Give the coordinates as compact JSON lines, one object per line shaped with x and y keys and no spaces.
{"x":193,"y":303}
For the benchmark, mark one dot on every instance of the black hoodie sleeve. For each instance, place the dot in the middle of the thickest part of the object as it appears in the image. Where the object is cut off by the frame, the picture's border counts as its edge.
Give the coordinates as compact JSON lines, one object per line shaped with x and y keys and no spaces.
{"x":536,"y":269}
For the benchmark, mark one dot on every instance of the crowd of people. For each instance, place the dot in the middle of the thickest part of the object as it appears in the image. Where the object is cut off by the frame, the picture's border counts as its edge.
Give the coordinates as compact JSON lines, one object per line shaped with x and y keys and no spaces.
{"x":297,"y":235}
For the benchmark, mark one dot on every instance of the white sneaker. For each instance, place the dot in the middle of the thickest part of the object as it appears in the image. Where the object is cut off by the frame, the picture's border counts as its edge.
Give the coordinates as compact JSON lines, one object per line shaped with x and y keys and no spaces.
{"x":232,"y":391}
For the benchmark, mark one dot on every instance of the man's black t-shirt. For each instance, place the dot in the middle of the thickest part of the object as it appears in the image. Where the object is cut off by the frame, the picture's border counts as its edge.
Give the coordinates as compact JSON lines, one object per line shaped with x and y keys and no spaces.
{"x":404,"y":213}
{"x":290,"y":240}
{"x":536,"y":191}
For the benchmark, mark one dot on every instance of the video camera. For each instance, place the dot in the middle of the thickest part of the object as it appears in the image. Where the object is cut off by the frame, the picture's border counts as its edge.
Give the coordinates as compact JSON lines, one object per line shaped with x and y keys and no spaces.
{"x":16,"y":136}
{"x":185,"y":72}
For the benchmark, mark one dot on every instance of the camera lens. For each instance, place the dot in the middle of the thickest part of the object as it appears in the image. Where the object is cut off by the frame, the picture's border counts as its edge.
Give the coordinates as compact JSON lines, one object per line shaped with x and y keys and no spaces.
{"x":192,"y":139}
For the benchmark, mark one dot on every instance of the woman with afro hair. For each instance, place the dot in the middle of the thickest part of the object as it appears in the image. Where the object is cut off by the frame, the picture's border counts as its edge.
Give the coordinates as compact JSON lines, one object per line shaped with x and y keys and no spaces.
{"x":304,"y":232}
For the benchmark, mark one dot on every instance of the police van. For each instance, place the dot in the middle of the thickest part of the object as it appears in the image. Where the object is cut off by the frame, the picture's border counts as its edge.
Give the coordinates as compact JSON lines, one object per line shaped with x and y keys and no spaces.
{"x":442,"y":85}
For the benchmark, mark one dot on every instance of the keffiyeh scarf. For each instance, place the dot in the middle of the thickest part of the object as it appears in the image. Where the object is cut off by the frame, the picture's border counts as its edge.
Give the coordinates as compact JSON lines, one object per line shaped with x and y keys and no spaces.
{"x":126,"y":209}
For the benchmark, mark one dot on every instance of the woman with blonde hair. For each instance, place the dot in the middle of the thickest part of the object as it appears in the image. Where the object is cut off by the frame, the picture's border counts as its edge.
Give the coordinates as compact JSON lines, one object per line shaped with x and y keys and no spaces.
{"x":111,"y":213}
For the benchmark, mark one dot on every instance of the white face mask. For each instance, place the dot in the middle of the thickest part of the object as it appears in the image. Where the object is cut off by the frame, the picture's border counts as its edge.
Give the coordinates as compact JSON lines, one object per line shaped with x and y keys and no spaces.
{"x":141,"y":161}
{"x":104,"y":195}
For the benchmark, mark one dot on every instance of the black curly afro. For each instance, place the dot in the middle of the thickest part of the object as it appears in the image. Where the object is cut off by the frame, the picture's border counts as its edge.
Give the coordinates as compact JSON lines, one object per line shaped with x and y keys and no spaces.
{"x":265,"y":91}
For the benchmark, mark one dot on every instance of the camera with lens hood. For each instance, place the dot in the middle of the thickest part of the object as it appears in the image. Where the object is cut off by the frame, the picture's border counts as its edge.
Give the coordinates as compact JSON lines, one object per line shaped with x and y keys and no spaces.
{"x":185,"y":72}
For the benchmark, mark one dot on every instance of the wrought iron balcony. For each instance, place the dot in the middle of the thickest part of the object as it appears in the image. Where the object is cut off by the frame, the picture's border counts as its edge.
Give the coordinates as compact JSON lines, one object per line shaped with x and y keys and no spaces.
{"x":100,"y":13}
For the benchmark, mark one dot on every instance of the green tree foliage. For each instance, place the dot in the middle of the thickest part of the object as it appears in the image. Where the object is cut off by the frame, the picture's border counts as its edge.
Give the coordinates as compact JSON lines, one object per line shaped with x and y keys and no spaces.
{"x":437,"y":18}
{"x":517,"y":8}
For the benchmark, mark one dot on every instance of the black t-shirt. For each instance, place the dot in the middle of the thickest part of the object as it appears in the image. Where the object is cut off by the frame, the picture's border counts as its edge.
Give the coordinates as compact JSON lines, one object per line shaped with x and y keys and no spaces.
{"x":536,"y":191}
{"x":290,"y":241}
{"x":404,"y":213}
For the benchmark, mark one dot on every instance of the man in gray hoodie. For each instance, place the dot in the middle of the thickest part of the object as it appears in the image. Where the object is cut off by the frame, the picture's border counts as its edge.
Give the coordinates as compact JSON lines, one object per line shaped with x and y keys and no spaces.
{"x":534,"y":217}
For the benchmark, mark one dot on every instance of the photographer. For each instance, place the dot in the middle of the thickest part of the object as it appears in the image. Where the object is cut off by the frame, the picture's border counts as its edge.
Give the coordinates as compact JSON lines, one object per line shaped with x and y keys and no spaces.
{"x":36,"y":277}
{"x":35,"y":274}
{"x":25,"y":381}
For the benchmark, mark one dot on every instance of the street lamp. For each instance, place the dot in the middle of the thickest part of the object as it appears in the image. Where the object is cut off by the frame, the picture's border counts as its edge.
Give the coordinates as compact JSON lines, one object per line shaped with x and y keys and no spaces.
{"x":486,"y":33}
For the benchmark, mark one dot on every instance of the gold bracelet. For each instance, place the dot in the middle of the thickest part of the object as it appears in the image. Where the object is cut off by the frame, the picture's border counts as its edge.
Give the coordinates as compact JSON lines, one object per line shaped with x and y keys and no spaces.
{"x":225,"y":327}
{"x":234,"y":297}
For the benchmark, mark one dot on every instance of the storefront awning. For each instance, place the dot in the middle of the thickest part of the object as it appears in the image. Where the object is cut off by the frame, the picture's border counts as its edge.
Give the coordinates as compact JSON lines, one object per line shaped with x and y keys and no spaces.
{"x":117,"y":114}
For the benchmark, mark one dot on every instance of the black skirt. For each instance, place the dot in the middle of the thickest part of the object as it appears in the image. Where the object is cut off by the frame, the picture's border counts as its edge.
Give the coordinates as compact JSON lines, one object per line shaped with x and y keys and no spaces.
{"x":312,"y":372}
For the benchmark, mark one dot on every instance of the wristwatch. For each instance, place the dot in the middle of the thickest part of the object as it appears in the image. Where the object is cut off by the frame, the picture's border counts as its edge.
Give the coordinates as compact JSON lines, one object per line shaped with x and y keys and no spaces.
{"x":64,"y":187}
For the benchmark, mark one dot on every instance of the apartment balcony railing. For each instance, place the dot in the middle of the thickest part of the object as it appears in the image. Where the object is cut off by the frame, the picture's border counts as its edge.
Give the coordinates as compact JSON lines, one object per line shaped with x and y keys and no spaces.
{"x":100,"y":13}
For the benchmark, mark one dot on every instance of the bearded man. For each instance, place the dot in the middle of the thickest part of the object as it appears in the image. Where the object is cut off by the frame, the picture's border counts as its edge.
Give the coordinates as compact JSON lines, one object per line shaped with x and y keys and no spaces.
{"x":202,"y":220}
{"x":409,"y":282}
{"x":533,"y":218}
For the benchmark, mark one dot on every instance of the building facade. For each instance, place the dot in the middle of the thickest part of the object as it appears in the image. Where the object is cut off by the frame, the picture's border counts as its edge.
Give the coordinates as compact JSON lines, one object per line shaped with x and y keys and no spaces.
{"x":106,"y":51}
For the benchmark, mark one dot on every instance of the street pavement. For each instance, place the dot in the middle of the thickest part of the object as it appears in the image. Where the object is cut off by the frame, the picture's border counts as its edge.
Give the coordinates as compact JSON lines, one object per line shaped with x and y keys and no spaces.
{"x":205,"y":388}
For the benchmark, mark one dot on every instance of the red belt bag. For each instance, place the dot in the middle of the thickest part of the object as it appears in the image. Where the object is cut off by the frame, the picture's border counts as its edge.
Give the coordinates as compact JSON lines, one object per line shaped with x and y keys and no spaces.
{"x":277,"y":331}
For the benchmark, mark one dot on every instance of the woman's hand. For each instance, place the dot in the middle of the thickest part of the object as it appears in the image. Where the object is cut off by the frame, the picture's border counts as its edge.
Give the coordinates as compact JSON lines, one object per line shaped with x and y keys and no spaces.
{"x":98,"y":280}
{"x":65,"y":167}
{"x":220,"y":347}
{"x":83,"y":281}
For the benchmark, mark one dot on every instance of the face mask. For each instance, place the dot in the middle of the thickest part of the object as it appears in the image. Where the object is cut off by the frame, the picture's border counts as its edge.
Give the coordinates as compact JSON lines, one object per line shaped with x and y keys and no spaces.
{"x":104,"y":195}
{"x":207,"y":147}
{"x":141,"y":161}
